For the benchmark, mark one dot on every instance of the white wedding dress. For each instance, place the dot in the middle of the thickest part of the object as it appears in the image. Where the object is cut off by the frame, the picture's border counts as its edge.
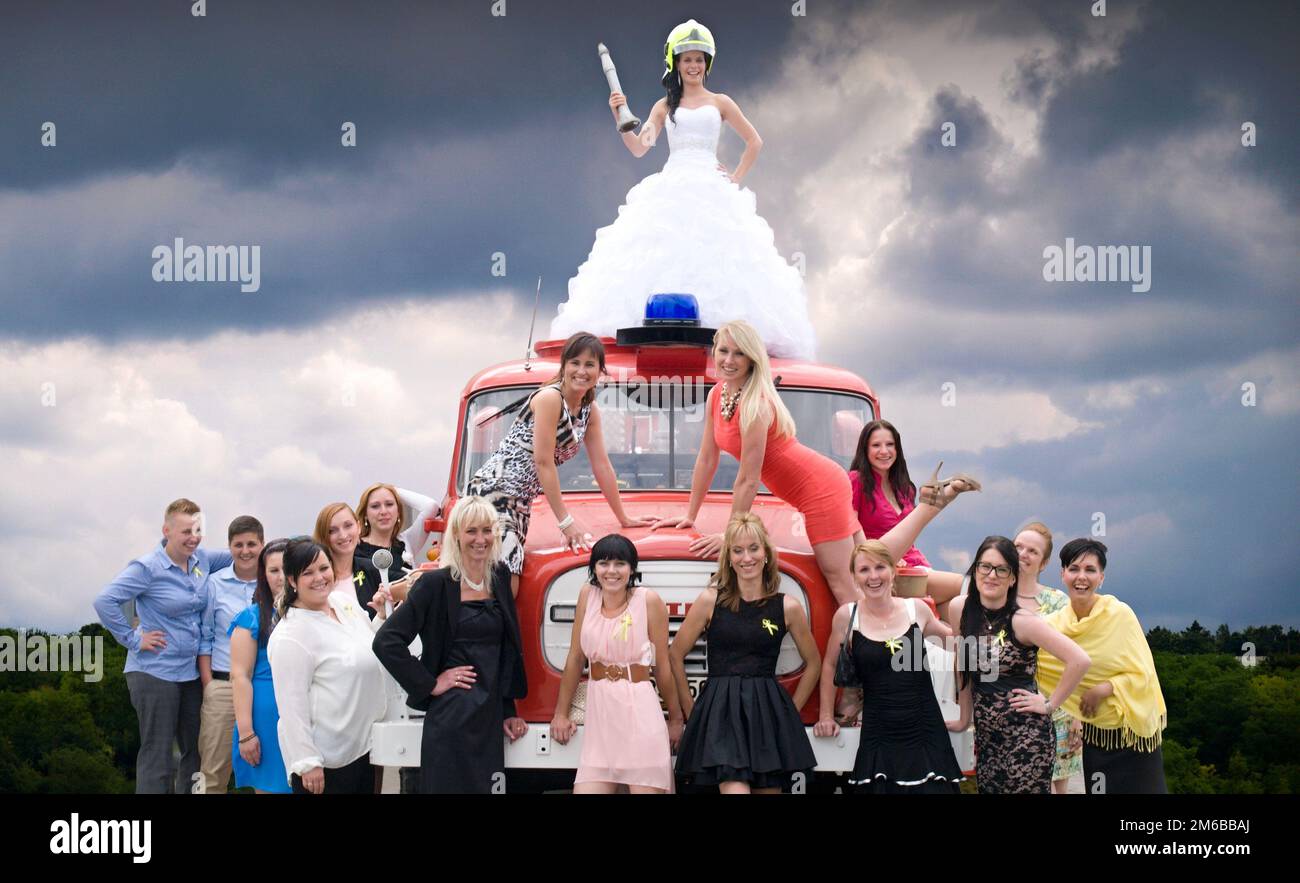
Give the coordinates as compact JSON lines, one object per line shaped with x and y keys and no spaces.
{"x":688,"y":229}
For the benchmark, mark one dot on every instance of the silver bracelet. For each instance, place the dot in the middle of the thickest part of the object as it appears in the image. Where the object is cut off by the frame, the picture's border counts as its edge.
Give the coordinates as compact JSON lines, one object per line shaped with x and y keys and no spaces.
{"x":565,"y":522}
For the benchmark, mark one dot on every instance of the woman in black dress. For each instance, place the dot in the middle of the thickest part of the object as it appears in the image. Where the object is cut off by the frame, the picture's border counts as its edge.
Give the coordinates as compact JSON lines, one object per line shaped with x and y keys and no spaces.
{"x":472,"y":666}
{"x":904,"y":746}
{"x":744,"y":734}
{"x":997,"y":662}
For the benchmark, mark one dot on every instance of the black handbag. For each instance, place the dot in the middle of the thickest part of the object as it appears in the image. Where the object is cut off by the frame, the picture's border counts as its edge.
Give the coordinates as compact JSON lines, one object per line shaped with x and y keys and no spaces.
{"x":846,"y":673}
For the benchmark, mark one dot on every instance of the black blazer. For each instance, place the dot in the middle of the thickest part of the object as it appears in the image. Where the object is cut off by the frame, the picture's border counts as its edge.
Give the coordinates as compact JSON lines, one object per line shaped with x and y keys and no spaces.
{"x":432,"y":611}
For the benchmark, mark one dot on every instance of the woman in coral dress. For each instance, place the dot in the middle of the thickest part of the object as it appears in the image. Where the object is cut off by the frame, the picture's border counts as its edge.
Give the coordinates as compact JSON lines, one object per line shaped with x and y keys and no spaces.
{"x":622,"y":631}
{"x":747,"y":419}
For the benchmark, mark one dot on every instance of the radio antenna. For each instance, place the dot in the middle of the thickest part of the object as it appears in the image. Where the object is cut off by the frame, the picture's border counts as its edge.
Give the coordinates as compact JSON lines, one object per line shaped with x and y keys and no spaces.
{"x":532,"y":326}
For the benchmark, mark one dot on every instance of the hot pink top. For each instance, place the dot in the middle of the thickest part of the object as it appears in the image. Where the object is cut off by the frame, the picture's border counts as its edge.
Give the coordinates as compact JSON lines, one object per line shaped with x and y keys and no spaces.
{"x":879,"y":521}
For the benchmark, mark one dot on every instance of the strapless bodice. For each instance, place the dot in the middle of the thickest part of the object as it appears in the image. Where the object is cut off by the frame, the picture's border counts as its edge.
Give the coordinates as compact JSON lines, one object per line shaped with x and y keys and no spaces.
{"x":696,"y":128}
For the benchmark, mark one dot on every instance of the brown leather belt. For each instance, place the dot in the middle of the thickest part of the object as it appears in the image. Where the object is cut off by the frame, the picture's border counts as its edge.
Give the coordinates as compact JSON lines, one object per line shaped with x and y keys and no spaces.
{"x":634,"y":673}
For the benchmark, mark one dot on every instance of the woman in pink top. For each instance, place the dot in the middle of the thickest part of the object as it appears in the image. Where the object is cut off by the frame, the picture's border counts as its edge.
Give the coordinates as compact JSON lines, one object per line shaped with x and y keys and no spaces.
{"x":623,"y":632}
{"x":883,"y":495}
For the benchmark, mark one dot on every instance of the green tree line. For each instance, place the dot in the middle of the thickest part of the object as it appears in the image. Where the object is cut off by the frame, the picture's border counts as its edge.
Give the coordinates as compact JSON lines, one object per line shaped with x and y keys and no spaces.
{"x":1231,"y":725}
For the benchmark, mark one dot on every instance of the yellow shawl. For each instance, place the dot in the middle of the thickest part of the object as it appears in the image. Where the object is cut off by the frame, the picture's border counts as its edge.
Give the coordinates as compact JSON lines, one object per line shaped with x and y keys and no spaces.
{"x":1112,"y":637}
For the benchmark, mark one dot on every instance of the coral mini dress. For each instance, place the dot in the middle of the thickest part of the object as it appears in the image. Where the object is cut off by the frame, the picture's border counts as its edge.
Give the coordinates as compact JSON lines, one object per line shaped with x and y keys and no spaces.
{"x":815,"y":485}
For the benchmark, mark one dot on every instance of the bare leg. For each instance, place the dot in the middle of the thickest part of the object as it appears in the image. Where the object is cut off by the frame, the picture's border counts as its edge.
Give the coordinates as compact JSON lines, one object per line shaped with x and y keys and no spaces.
{"x":1060,"y":786}
{"x":596,"y":788}
{"x":902,"y":536}
{"x":833,"y":559}
{"x":733,"y":788}
{"x":644,"y":789}
{"x":943,"y":585}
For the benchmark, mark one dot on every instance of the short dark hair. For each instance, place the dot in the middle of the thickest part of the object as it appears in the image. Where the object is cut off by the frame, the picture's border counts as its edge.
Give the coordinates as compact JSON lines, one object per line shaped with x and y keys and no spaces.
{"x":1076,"y":549}
{"x":299,"y":554}
{"x":245,"y":524}
{"x":613,"y":547}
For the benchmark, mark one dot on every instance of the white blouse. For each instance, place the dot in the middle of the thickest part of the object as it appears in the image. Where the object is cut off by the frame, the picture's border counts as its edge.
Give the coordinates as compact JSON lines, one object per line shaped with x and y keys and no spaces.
{"x":329,"y":686}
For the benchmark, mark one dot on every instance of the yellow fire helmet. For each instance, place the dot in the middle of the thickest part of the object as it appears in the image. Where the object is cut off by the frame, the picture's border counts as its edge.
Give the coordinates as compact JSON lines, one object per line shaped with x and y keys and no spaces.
{"x":686,"y":37}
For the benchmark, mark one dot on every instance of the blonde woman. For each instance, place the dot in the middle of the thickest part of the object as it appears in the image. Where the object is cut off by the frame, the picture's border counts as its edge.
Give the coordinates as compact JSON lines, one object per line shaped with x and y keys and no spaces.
{"x":1034,"y":545}
{"x":744,"y":734}
{"x":747,"y":419}
{"x":472,"y":667}
{"x":904,"y":746}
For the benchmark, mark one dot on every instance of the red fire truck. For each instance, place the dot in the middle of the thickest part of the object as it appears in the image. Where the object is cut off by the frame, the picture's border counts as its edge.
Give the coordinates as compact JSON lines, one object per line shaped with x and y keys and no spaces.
{"x":653,"y":414}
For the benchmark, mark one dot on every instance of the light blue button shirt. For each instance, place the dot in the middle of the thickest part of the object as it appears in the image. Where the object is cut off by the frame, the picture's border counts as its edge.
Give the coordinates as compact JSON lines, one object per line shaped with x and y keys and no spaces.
{"x":167,"y":599}
{"x":228,"y":595}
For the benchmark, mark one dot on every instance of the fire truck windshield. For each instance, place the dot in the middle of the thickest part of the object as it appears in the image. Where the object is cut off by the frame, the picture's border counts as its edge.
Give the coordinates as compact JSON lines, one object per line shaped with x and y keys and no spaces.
{"x":653,"y":432}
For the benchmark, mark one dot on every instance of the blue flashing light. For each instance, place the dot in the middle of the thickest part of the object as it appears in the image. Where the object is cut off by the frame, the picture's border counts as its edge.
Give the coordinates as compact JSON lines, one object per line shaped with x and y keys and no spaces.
{"x":672,"y":309}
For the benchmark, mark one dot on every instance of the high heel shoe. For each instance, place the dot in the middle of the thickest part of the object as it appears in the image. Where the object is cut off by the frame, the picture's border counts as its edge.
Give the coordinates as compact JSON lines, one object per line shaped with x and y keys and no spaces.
{"x":932,"y":492}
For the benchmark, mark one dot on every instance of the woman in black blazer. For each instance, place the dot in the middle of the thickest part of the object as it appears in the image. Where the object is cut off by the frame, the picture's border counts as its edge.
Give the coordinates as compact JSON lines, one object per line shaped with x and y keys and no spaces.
{"x":472,"y":666}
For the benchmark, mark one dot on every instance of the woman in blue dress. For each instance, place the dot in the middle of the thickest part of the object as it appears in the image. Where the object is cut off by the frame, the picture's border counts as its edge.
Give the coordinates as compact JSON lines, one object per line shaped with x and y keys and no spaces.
{"x":255,"y":749}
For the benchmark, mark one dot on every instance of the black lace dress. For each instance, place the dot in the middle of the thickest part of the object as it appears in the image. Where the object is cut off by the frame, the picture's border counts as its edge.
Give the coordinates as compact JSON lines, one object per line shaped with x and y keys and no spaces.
{"x":1013,"y":749}
{"x":744,"y":727}
{"x":904,"y":747}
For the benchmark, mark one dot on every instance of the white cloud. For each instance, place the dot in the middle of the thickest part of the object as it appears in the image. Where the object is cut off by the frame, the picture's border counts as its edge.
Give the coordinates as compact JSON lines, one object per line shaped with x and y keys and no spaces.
{"x":985,"y":415}
{"x":241,"y":422}
{"x":1274,"y":376}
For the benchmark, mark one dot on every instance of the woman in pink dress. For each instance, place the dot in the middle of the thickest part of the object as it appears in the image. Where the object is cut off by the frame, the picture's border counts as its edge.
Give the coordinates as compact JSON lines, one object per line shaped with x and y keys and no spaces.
{"x":883,"y":495}
{"x":623,"y":632}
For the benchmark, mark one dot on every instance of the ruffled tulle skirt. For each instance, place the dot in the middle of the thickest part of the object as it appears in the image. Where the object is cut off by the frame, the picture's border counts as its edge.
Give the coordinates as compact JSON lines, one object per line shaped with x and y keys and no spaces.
{"x":688,"y":229}
{"x":744,"y":729}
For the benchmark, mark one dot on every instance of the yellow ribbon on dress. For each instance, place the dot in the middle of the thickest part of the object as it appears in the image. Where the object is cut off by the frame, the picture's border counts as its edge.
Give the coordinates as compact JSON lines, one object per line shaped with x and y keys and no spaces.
{"x":770,"y":626}
{"x":894,"y":645}
{"x":624,"y":624}
{"x":359,"y":578}
{"x":197,"y":571}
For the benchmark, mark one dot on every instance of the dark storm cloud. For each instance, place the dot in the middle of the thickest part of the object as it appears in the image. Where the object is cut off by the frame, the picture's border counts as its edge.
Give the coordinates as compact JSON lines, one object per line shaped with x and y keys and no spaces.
{"x":250,"y":100}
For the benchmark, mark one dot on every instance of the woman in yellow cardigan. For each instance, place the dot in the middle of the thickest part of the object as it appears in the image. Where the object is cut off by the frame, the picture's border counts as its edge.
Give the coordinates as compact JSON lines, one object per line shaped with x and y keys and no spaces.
{"x":1119,"y":700}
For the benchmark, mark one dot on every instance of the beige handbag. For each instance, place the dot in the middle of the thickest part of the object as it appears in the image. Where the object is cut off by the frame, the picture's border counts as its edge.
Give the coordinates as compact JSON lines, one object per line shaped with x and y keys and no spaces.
{"x":578,"y":708}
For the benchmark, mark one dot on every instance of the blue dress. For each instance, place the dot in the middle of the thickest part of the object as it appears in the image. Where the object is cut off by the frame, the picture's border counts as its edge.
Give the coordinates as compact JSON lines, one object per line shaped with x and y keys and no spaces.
{"x":269,"y":775}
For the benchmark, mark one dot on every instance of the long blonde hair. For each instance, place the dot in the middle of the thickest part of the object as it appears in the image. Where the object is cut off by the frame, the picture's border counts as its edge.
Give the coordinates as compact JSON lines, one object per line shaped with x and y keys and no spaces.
{"x":470,"y":510}
{"x":760,"y":392}
{"x":725,"y":579}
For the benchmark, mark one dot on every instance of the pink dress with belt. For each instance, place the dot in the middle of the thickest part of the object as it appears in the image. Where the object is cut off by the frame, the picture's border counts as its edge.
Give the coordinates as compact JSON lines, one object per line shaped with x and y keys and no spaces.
{"x":625,"y":737}
{"x":879,"y":521}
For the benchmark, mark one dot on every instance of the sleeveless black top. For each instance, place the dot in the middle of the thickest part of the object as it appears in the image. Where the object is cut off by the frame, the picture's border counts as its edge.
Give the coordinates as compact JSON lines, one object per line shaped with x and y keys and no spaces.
{"x":747,"y":643}
{"x":1004,"y":664}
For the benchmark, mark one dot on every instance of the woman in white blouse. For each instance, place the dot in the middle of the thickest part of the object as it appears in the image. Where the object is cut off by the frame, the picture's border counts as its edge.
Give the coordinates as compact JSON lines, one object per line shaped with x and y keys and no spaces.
{"x":328,"y":684}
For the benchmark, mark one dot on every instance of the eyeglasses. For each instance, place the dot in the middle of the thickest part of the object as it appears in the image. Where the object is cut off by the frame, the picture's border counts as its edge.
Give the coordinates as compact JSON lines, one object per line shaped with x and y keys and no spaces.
{"x":984,"y":569}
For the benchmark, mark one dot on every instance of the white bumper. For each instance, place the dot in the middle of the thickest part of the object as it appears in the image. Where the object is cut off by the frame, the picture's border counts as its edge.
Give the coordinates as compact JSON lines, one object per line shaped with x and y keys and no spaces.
{"x":397,"y":743}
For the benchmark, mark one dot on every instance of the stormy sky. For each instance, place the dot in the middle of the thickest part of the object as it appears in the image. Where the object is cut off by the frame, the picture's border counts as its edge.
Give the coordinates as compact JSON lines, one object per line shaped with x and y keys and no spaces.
{"x":480,"y":134}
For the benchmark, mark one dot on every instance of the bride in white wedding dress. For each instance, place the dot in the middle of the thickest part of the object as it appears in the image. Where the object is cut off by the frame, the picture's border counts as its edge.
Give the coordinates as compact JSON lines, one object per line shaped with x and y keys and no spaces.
{"x":690,"y":228}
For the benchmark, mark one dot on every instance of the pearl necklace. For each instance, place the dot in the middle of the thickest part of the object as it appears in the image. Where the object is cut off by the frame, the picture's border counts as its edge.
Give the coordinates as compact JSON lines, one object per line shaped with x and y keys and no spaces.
{"x":477,"y":587}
